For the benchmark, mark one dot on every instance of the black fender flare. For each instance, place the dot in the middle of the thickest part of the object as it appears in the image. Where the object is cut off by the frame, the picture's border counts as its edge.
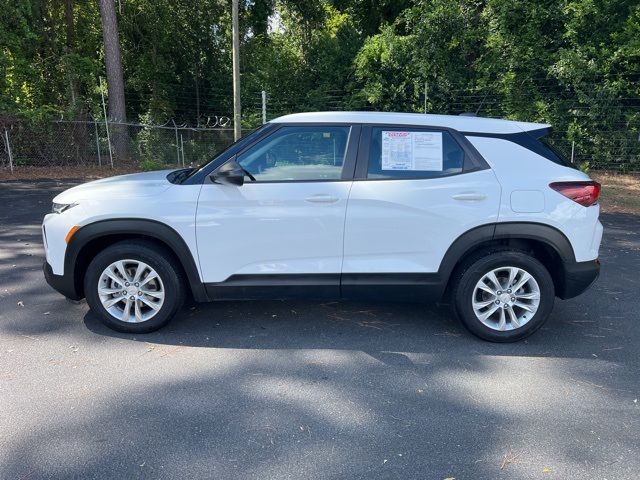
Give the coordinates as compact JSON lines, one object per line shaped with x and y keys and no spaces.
{"x":143,"y":227}
{"x":471,"y":239}
{"x":540,"y":232}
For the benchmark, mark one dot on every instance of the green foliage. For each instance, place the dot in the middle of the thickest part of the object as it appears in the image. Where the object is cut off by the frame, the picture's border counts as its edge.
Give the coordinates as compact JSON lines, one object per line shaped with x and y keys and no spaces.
{"x":385,"y":70}
{"x":301,"y":62}
{"x":149,"y":164}
{"x":585,"y":166}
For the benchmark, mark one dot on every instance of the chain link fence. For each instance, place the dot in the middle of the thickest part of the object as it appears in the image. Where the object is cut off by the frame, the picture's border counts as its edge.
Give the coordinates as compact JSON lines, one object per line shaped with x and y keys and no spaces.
{"x":597,"y":129}
{"x":604,"y":138}
{"x":94,"y":143}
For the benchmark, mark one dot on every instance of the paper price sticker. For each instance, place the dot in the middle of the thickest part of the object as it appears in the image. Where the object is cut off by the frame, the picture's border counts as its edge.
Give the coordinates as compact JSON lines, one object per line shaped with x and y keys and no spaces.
{"x":420,"y":151}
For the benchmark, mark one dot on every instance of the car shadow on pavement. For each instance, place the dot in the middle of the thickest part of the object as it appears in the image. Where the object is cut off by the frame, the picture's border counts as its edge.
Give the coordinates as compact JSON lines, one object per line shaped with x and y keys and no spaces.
{"x":384,"y":330}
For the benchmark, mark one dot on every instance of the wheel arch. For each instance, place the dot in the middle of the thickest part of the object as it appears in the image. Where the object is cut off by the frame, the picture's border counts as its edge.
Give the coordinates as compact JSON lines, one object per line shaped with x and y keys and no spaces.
{"x":94,"y":237}
{"x":546,"y":243}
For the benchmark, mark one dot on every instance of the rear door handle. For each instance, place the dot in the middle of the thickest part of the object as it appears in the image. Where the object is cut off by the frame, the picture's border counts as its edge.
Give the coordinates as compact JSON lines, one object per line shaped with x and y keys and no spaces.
{"x":321,"y":198}
{"x":469,"y":196}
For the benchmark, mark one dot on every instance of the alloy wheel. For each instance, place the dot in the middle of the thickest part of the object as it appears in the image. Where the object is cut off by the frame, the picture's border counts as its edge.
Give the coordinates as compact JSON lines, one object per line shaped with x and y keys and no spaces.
{"x":131,"y":291}
{"x":506,"y":298}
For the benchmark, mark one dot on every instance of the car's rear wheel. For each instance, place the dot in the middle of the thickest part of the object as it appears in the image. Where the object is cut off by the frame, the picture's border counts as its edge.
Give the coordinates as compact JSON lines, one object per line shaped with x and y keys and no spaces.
{"x":503,"y":295}
{"x":134,"y":287}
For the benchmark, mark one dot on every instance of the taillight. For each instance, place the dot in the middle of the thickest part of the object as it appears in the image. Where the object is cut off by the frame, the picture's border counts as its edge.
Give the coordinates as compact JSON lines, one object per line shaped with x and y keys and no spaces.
{"x":584,"y":193}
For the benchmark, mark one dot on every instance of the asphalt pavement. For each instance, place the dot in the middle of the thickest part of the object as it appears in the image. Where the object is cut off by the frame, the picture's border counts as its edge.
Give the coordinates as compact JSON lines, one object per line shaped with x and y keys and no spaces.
{"x":311,"y":390}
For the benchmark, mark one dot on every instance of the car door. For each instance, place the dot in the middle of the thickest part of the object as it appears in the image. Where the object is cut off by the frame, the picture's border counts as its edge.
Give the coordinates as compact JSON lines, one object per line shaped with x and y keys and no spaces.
{"x":285,"y":227}
{"x":416,"y":190}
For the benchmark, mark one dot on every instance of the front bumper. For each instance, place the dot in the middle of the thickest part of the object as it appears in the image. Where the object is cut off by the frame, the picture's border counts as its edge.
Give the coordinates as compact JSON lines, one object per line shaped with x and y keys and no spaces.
{"x":577,"y":277}
{"x":63,"y":284}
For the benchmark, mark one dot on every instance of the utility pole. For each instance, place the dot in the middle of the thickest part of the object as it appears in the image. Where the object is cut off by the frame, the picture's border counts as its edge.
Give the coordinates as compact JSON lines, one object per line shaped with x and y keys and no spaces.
{"x":237,"y":132}
{"x":264,"y":107}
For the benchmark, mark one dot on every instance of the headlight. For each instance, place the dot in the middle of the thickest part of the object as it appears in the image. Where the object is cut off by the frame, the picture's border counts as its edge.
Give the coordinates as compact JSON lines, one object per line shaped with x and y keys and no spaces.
{"x":61,"y":207}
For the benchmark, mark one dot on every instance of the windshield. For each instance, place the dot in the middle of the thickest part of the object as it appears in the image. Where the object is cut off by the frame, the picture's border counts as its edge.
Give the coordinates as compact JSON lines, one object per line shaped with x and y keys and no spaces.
{"x":182,"y":175}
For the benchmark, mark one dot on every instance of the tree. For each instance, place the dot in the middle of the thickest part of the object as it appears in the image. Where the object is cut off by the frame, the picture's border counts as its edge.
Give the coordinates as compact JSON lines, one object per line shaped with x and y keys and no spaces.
{"x":113,"y":63}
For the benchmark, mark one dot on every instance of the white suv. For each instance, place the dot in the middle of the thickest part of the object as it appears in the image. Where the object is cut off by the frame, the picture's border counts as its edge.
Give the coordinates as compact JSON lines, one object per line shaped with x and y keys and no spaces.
{"x":477,"y":211}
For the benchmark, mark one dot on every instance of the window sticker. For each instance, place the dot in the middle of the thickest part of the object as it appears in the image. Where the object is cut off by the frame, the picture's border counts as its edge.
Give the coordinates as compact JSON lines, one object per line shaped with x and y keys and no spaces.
{"x":412,"y":151}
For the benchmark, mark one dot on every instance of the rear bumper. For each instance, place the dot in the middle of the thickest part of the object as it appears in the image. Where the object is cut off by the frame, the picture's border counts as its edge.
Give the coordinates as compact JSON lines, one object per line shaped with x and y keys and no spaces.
{"x":61,"y":283}
{"x":577,"y":278}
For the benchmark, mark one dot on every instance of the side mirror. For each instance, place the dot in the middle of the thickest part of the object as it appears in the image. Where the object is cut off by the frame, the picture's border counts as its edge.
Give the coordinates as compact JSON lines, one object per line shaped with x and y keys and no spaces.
{"x":230,"y":173}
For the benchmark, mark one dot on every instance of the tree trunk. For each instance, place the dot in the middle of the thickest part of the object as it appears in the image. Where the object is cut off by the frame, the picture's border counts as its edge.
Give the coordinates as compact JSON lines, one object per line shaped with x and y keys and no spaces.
{"x":115,"y":82}
{"x":69,"y":51}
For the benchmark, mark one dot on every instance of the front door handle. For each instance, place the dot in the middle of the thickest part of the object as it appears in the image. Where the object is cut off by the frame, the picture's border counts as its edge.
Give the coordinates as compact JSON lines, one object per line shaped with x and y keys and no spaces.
{"x":321,"y":198}
{"x":469,"y":196}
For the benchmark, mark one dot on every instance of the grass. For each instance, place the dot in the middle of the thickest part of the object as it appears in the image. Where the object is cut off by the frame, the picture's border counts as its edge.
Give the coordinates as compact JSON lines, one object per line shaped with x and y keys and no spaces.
{"x":620,"y":192}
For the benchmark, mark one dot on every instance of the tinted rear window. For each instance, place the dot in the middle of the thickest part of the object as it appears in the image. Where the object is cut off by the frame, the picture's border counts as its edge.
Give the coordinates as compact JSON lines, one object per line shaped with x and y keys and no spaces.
{"x":545,"y":144}
{"x":555,"y":151}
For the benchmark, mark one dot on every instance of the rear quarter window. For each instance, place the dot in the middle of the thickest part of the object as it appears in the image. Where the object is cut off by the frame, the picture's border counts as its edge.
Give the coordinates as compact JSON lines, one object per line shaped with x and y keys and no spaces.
{"x":543,"y":143}
{"x":556,"y":153}
{"x":539,"y":142}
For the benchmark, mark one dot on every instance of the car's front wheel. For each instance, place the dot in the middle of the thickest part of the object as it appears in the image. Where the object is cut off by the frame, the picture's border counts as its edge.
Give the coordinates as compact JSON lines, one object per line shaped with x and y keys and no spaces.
{"x":503,"y":295}
{"x":134,"y":287}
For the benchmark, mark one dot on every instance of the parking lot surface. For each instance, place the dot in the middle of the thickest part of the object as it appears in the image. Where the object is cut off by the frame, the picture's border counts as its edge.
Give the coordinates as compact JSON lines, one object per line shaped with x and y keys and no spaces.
{"x":275,"y":390}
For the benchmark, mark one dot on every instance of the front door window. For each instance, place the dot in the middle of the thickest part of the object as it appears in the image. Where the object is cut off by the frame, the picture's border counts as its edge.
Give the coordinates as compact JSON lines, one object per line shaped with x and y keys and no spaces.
{"x":298,"y":154}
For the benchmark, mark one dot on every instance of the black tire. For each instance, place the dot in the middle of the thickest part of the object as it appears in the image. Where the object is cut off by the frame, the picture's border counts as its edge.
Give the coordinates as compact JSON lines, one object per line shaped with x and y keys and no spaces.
{"x":158,"y":258}
{"x":478,"y":265}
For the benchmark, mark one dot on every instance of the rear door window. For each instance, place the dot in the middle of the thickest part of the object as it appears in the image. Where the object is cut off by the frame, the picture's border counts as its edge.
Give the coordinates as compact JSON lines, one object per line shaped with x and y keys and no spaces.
{"x":407,"y":152}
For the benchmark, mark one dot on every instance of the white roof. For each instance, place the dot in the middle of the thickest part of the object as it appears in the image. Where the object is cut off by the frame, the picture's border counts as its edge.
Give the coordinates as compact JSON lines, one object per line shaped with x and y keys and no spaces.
{"x":457,"y":122}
